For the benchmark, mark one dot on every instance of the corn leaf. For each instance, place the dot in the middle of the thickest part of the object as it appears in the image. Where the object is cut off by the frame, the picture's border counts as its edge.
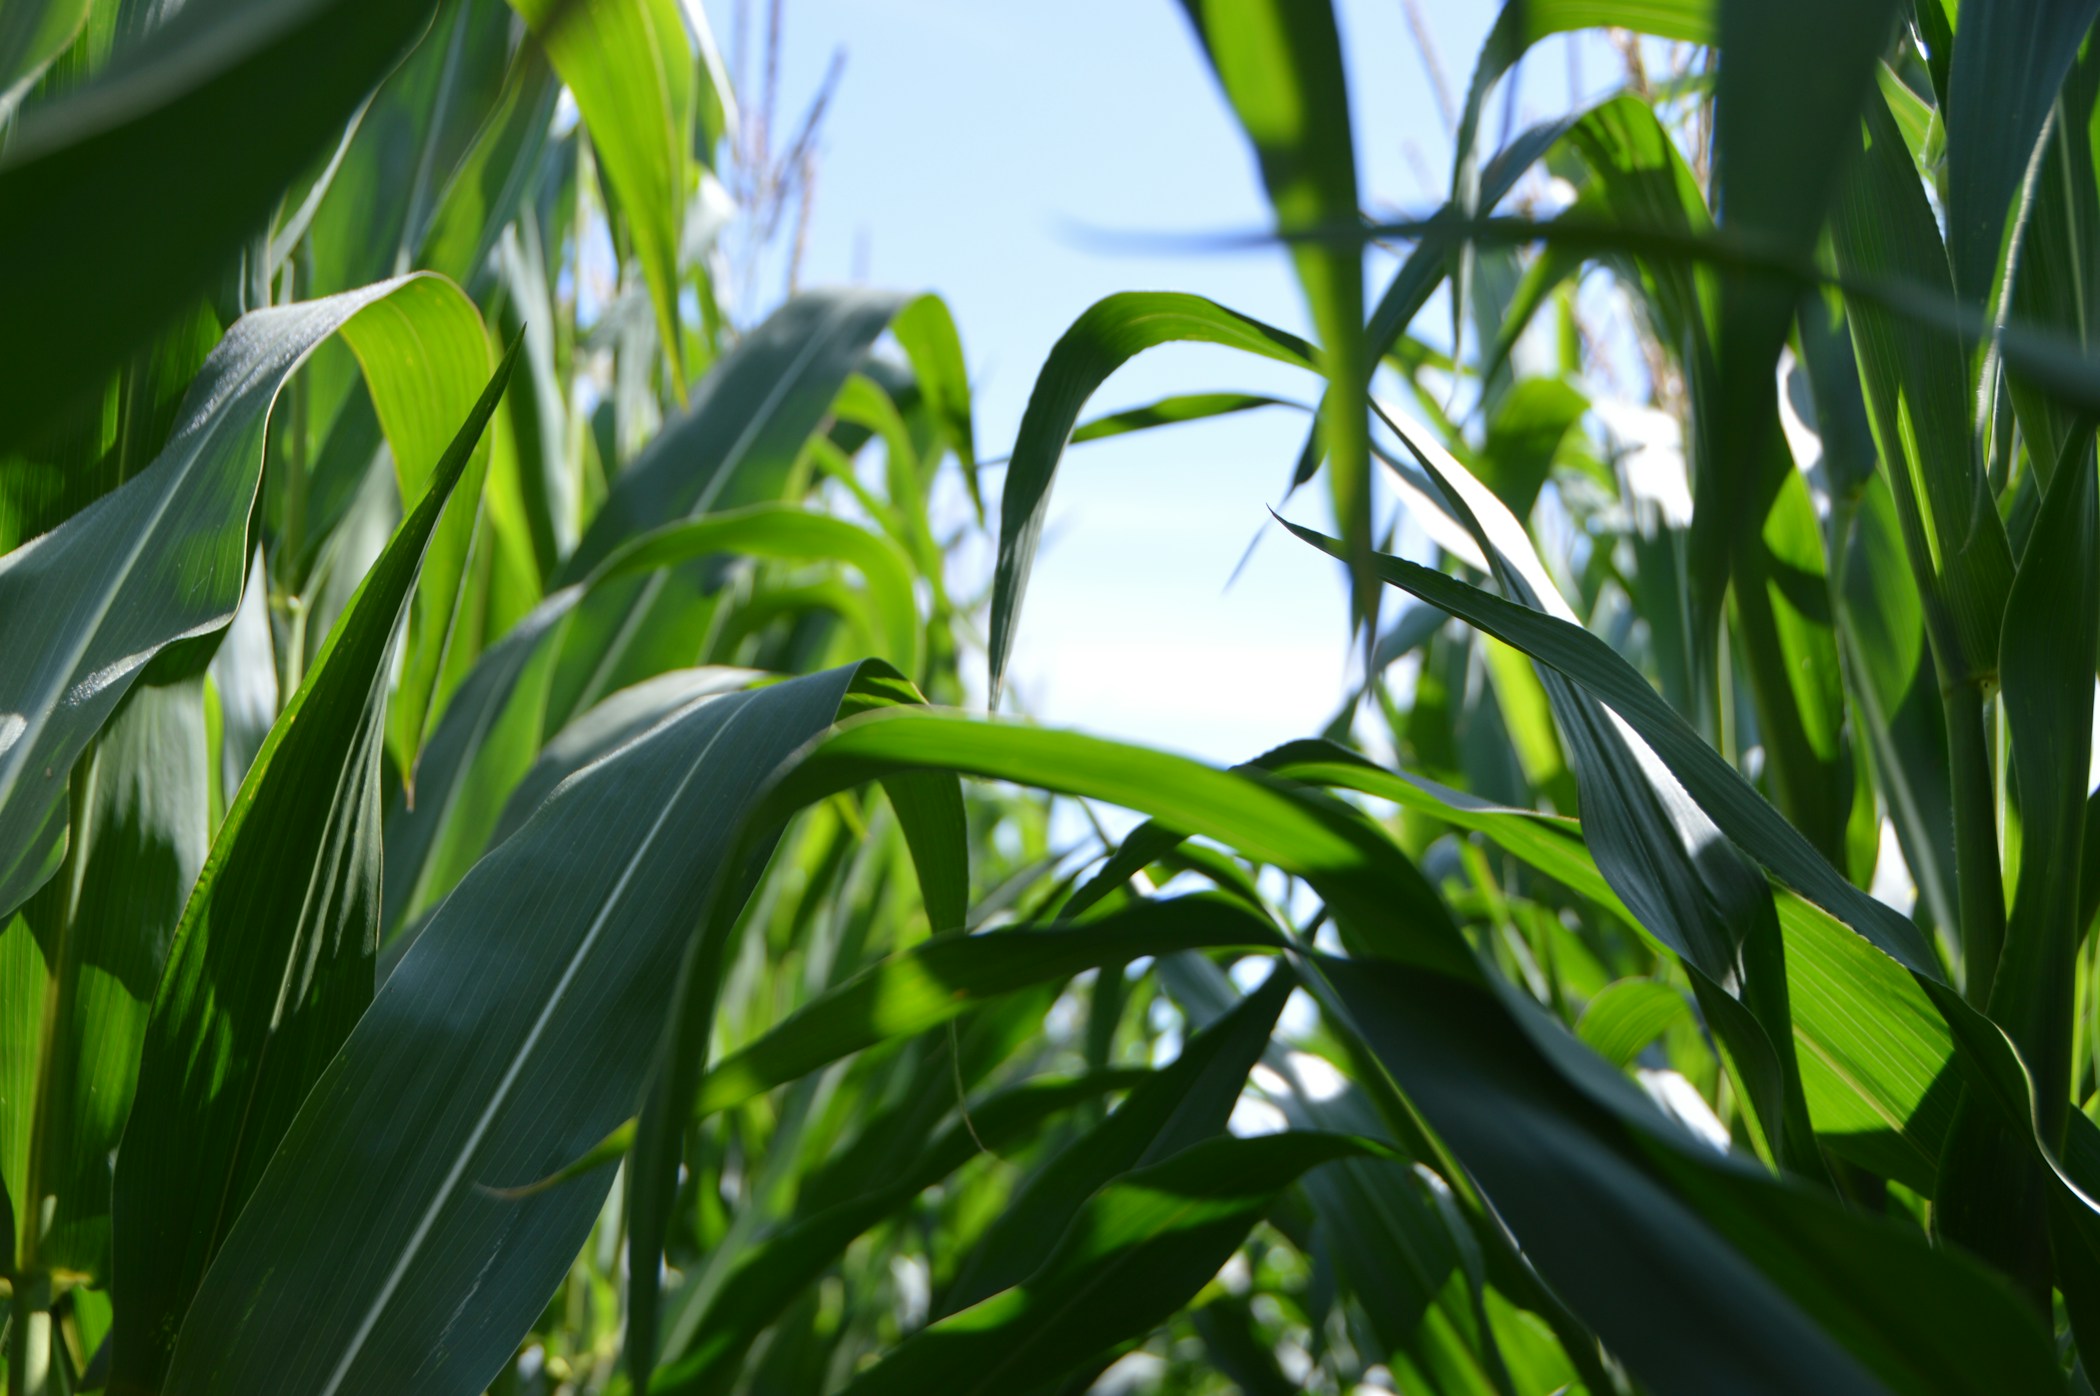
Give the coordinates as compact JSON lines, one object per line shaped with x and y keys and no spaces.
{"x":272,"y":963}
{"x":112,"y":158}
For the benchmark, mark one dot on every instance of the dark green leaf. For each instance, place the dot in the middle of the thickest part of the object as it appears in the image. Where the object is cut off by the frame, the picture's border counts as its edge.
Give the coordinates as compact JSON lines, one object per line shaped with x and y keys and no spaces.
{"x":272,"y":963}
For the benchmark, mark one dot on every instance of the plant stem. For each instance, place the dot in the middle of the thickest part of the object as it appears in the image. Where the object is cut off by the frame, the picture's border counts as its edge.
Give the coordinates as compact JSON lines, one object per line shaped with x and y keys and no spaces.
{"x":29,"y":1340}
{"x":1978,"y":879}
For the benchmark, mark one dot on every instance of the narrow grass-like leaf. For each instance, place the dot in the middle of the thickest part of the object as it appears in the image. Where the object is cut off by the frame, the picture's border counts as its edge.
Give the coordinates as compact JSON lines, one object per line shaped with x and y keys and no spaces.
{"x":91,"y":946}
{"x":926,"y":332}
{"x":1728,"y":799}
{"x":1684,"y":881}
{"x":1628,"y":1016}
{"x":1776,"y":1278}
{"x":634,"y":76}
{"x":734,"y":445}
{"x":1178,"y":1107}
{"x":933,"y":982}
{"x":1917,"y":390}
{"x":1992,"y":1194}
{"x":1171,"y":411}
{"x":33,"y":33}
{"x":1280,"y":64}
{"x":767,"y":1279}
{"x":1135,"y":1254}
{"x":1108,"y":335}
{"x":2008,"y":63}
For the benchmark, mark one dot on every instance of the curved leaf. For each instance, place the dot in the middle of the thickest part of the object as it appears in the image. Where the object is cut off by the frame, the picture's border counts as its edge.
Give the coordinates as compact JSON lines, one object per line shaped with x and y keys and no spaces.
{"x":163,"y":557}
{"x":409,"y":1272}
{"x":1108,"y":335}
{"x":272,"y":963}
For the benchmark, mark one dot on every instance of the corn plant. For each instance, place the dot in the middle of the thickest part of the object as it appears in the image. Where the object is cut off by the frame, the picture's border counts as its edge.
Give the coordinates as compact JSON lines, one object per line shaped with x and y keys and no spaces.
{"x":504,"y":892}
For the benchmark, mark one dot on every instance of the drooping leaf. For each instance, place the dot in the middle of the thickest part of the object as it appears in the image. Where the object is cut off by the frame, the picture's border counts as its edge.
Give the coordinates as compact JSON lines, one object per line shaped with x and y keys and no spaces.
{"x":941,"y":978}
{"x":734,"y":445}
{"x":1719,"y":788}
{"x":1108,"y":335}
{"x":765,"y":1280}
{"x":163,"y":557}
{"x":1691,"y":1232}
{"x":1177,"y":1108}
{"x":1171,"y":411}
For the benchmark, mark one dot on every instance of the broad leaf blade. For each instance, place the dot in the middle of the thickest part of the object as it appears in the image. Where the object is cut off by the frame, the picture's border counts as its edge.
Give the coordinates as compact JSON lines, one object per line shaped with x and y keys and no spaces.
{"x":161,"y":558}
{"x":548,"y":1031}
{"x":272,"y":963}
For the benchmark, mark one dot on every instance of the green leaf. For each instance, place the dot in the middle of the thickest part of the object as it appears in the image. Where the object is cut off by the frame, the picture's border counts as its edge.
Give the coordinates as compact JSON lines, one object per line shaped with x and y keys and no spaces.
{"x":1361,"y":874}
{"x":478,"y":753}
{"x":32,"y":33}
{"x":1136,"y":1253}
{"x":1111,"y":333}
{"x":431,"y":330}
{"x":634,"y":75}
{"x":605,"y":729}
{"x":492,"y":179}
{"x":1782,"y":118}
{"x":1684,"y":882}
{"x":1176,"y":1108}
{"x":2047,"y":655}
{"x":1728,"y":799}
{"x":80,"y":964}
{"x":1918,"y":389}
{"x":373,"y":204}
{"x":106,"y":439}
{"x":272,"y":963}
{"x":734,"y":445}
{"x":1171,"y":411}
{"x":122,"y":205}
{"x":481,"y":747}
{"x":1881,"y":626}
{"x":1532,"y":420}
{"x":766,"y":1279}
{"x":164,"y":556}
{"x":2008,"y":63}
{"x":548,"y":1030}
{"x":1991,"y":1194}
{"x":1521,"y":24}
{"x":1280,"y":64}
{"x":1789,"y":1291}
{"x":783,"y":531}
{"x":1876,"y":1056}
{"x":941,"y":978}
{"x":926,"y":332}
{"x":1629,"y":1015}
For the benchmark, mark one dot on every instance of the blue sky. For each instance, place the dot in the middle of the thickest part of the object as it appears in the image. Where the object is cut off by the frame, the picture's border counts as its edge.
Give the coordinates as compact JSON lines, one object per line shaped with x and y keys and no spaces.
{"x":980,"y":148}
